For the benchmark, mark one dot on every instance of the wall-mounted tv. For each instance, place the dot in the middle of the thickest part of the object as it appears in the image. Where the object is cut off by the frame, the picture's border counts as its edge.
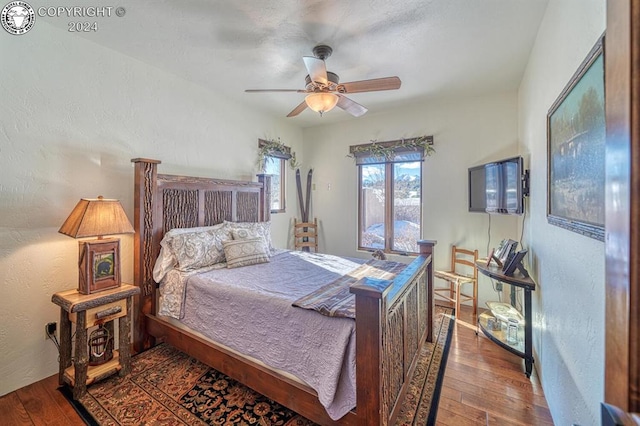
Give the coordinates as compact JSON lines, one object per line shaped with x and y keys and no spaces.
{"x":498,"y":187}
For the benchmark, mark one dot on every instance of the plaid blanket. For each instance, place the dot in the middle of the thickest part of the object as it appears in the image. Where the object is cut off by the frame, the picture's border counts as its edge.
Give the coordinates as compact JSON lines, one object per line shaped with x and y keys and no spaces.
{"x":335,"y":300}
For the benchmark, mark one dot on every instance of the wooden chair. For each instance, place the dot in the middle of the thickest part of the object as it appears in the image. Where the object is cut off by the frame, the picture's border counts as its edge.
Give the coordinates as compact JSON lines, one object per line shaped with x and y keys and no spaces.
{"x":463,"y":271}
{"x":305,"y":235}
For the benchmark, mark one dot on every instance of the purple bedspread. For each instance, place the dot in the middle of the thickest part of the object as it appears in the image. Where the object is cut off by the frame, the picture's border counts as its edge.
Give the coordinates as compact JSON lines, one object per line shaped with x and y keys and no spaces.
{"x":249,"y":310}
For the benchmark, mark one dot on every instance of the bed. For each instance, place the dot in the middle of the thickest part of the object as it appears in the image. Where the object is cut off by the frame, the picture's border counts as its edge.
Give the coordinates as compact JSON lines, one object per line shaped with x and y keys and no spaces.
{"x":392,"y":318}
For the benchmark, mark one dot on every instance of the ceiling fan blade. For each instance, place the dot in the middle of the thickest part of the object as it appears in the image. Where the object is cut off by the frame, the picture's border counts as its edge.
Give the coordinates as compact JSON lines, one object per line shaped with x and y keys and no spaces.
{"x":350,"y":106}
{"x":297,"y":110}
{"x":316,"y":68}
{"x":275,"y":90}
{"x":376,"y":84}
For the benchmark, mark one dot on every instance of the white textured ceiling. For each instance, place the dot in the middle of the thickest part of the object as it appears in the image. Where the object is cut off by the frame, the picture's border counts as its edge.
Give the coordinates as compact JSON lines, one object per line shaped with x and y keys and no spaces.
{"x":438,"y":48}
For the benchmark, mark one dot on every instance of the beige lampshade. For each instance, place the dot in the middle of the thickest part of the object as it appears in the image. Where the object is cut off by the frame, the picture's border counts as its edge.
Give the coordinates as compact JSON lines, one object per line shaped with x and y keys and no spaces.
{"x":321,"y":102}
{"x":95,"y":218}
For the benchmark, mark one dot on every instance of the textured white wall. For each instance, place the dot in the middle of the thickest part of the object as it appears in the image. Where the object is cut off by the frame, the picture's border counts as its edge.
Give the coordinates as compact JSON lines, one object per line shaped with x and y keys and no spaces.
{"x":73,"y":115}
{"x":467,"y":132}
{"x":568,"y":267}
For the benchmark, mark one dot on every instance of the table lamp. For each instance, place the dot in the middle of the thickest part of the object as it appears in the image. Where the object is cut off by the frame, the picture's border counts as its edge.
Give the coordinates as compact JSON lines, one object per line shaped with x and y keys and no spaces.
{"x":99,"y":260}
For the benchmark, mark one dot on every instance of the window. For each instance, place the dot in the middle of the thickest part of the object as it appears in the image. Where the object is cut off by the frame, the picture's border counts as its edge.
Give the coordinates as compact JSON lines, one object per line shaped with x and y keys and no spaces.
{"x":274,"y":166}
{"x":272,"y":157}
{"x":390,"y":201}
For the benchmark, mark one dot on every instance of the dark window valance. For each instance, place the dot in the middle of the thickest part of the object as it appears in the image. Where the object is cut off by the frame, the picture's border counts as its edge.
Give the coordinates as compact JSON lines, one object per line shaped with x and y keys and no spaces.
{"x":282,"y":152}
{"x":397,"y":151}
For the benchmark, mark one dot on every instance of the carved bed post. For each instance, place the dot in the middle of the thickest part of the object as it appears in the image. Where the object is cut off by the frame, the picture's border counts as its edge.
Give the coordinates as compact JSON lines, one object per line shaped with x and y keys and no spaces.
{"x":146,"y":172}
{"x":370,"y":294}
{"x":427,"y":249}
{"x":393,"y":320}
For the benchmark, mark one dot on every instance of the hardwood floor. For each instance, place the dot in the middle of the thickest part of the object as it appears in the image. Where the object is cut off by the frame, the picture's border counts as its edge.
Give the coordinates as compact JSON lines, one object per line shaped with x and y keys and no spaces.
{"x":486,"y":385}
{"x":483,"y":385}
{"x":39,"y":403}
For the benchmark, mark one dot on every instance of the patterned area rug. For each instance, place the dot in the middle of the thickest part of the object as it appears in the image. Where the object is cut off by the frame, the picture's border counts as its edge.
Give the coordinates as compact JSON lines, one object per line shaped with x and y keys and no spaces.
{"x":170,"y":388}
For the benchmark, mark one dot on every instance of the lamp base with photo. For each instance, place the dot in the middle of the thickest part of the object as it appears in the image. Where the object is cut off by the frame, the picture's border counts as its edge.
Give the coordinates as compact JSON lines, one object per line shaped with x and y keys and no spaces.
{"x":99,"y":265}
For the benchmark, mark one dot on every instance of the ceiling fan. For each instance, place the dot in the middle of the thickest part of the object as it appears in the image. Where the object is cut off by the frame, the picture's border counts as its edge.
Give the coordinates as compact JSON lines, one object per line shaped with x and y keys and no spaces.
{"x":324,"y":90}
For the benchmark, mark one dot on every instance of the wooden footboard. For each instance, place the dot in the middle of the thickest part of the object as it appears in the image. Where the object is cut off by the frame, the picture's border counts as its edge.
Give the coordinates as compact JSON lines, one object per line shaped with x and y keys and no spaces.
{"x":393,"y":318}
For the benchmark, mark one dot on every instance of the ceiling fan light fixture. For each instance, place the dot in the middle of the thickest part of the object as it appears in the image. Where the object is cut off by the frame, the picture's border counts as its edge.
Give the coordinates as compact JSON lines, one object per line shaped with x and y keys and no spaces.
{"x":321,"y":102}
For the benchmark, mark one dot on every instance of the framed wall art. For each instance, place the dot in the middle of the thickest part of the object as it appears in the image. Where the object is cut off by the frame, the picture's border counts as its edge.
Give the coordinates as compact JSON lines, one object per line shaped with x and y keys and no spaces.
{"x":99,"y":265}
{"x":576,"y":150}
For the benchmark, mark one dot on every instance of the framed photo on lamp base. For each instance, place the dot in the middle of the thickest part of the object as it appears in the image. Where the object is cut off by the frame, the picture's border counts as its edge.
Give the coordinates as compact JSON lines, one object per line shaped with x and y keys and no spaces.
{"x":99,"y":265}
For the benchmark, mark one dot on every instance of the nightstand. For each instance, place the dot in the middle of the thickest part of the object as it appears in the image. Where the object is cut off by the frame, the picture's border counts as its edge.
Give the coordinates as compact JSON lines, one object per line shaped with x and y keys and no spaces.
{"x":85,"y":311}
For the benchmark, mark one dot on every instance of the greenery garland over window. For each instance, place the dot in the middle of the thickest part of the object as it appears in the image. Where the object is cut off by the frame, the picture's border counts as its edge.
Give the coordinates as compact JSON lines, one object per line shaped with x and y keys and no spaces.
{"x":275,"y":148}
{"x":388,"y":150}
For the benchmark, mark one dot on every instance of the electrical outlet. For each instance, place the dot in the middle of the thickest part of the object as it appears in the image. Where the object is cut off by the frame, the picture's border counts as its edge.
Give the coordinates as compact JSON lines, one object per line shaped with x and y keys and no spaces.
{"x":498,"y":286}
{"x":50,"y":329}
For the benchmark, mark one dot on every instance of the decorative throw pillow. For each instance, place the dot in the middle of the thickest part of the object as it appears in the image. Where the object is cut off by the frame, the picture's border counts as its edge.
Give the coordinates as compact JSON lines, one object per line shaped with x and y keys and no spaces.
{"x":167,"y":260}
{"x":244,"y":234}
{"x":262,"y":229}
{"x":199,"y":249}
{"x":250,"y":251}
{"x":191,"y":248}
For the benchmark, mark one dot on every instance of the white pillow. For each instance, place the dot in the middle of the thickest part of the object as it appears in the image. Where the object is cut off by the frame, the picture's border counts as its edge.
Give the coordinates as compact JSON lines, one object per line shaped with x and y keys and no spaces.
{"x":262,"y":229}
{"x":245,"y":252}
{"x":190,"y":248}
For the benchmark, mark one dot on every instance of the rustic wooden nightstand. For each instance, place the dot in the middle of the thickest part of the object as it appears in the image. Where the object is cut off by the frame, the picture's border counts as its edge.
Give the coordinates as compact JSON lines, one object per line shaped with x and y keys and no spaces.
{"x":85,"y":311}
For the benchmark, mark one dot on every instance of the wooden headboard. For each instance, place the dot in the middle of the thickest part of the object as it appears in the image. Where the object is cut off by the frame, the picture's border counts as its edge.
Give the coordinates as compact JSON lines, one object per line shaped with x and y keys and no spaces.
{"x":163,"y":202}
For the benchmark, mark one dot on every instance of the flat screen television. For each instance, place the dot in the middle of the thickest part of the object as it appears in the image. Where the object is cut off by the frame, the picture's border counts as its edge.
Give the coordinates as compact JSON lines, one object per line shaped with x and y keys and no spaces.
{"x":498,"y":187}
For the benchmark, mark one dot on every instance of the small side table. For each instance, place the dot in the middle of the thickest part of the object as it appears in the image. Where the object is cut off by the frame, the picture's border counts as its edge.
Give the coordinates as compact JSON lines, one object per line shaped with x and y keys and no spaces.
{"x":523,"y":349}
{"x":85,"y":311}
